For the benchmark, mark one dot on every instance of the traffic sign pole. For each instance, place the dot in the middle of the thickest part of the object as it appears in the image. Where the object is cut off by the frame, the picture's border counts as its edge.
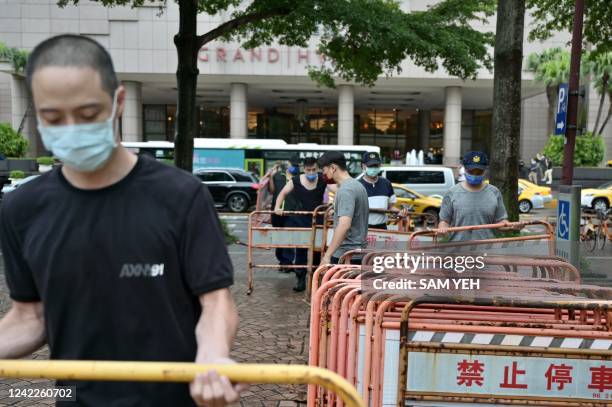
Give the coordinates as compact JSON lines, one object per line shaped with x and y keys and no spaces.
{"x":572,"y":105}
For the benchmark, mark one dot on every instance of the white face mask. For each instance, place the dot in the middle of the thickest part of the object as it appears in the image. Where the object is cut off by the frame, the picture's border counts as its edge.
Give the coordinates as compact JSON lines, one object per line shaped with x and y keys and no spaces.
{"x":83,"y":147}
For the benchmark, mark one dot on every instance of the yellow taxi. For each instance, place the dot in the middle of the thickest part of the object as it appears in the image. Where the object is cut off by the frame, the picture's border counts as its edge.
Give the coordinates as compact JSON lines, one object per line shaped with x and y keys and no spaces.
{"x":420,"y":202}
{"x":529,"y":199}
{"x":609,"y":164}
{"x":544,"y":192}
{"x":597,"y":198}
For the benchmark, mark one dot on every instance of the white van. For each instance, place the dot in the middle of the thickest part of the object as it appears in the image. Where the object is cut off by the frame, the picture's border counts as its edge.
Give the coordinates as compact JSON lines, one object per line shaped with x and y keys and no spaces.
{"x":426,"y":179}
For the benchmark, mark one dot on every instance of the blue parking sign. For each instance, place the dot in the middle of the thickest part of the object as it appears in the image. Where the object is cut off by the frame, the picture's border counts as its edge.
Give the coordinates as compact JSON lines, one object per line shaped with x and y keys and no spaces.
{"x":563,"y":216}
{"x":560,"y":119}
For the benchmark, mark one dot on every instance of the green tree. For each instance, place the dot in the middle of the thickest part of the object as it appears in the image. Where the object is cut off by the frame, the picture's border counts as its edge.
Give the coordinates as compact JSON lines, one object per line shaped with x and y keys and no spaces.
{"x":552,"y":16}
{"x":589,"y":152}
{"x":507,"y":101}
{"x":12,"y":144}
{"x":551,"y":68}
{"x":362,"y":40}
{"x":599,"y":68}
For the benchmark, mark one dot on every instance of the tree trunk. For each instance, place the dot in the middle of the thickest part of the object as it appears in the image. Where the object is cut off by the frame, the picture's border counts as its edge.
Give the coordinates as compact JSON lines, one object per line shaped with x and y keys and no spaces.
{"x":508,"y":61}
{"x":604,"y":90}
{"x":187,"y":47}
{"x":605,"y":122}
{"x":551,"y":95}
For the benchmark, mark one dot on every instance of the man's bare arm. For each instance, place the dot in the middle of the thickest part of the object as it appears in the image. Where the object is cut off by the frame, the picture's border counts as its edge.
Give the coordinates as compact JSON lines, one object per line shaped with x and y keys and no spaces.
{"x":22,"y":330}
{"x":340,"y":232}
{"x":217,"y":326}
{"x":215,"y":334}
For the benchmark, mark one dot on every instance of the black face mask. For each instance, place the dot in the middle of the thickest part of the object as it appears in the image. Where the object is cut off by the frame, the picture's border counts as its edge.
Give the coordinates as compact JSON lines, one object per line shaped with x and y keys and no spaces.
{"x":327,"y":180}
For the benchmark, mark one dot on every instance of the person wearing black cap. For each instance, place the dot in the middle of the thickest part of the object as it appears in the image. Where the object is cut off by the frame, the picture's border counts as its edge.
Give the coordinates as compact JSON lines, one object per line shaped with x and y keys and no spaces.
{"x":280,"y":175}
{"x":472,"y":202}
{"x":380,"y":191}
{"x":350,"y":209}
{"x":307,"y":190}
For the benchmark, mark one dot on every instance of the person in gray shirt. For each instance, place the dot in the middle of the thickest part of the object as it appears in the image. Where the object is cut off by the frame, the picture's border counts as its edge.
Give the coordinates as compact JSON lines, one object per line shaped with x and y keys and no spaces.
{"x":472,"y":202}
{"x":351,"y":209}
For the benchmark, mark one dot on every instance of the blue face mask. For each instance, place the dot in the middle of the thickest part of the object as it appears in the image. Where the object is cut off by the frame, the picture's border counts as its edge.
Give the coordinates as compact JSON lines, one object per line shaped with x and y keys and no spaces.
{"x":474,"y":179}
{"x":372,"y":171}
{"x":293,"y":170}
{"x":83,"y":147}
{"x":311,"y":177}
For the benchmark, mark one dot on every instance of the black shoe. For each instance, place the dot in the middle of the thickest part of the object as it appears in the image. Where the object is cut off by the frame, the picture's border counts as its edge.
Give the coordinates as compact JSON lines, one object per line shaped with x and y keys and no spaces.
{"x":300,"y":286}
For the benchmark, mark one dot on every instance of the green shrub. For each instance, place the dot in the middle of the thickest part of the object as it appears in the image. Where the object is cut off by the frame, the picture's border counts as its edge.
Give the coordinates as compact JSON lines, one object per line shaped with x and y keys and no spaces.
{"x":45,"y":160}
{"x":589,"y":152}
{"x":12,"y":144}
{"x":17,"y":174}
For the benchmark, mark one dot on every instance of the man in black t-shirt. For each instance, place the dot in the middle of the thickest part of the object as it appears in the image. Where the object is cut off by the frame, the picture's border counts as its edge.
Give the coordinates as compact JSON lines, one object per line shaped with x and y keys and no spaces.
{"x":112,"y":256}
{"x":307,"y":190}
{"x":279,"y":176}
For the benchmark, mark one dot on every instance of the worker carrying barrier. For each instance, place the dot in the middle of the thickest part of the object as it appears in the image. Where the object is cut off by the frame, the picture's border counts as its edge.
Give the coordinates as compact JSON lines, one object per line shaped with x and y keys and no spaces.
{"x":180,"y":372}
{"x":314,"y":238}
{"x":406,"y":347}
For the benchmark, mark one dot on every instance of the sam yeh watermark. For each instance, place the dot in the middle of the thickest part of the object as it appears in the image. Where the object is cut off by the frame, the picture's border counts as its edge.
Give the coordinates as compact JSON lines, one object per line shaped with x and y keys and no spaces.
{"x":403,"y":272}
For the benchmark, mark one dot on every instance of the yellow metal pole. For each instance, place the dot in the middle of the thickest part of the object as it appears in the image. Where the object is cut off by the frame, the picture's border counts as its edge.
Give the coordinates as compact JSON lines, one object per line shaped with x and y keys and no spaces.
{"x":180,"y":372}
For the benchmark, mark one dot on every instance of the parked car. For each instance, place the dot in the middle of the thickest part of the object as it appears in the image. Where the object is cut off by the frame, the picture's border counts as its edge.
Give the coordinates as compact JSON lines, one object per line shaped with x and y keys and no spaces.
{"x":424,"y":179}
{"x":544,"y":192}
{"x":420,"y":203}
{"x":233,"y":188}
{"x":599,"y":198}
{"x":529,"y":199}
{"x":16,"y":184}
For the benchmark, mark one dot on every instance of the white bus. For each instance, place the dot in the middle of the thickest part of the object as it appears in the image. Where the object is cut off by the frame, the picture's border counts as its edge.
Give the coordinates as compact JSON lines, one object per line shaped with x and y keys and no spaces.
{"x":254,"y":155}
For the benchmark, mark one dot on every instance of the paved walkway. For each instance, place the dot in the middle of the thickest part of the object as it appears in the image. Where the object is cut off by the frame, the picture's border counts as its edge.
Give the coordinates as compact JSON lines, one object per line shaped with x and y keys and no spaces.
{"x":273,"y":329}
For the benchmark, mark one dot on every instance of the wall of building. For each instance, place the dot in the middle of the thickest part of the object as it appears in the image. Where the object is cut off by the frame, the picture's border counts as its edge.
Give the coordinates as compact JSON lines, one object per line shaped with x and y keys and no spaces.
{"x":533,"y":126}
{"x":5,"y":97}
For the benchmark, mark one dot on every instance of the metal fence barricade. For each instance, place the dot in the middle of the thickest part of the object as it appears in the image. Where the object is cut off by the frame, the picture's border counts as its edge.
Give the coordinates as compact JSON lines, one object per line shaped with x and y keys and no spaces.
{"x":533,"y":370}
{"x":528,"y":242}
{"x":180,"y":372}
{"x":356,"y":332}
{"x":261,"y":236}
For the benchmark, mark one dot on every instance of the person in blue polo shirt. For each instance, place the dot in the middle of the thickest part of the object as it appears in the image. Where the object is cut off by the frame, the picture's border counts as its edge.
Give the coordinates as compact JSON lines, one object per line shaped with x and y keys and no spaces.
{"x":380,"y":191}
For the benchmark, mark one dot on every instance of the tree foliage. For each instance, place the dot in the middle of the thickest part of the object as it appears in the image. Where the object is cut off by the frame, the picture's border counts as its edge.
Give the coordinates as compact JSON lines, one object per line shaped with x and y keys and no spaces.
{"x":12,"y":144}
{"x":363,"y":39}
{"x":360,"y":39}
{"x":589,"y":152}
{"x":552,"y":16}
{"x":550,"y":67}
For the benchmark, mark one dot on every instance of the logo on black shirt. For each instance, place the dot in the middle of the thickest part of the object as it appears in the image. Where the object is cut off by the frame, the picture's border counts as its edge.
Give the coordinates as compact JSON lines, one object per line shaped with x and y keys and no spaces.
{"x":142,"y":270}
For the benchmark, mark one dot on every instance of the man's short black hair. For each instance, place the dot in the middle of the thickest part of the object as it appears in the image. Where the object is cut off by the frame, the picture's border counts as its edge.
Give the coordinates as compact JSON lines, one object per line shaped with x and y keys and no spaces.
{"x":73,"y":50}
{"x":310,"y":161}
{"x":333,"y":157}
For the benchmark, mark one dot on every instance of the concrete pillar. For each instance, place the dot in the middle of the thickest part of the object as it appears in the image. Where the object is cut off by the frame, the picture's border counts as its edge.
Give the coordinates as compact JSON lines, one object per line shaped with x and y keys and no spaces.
{"x":238,"y":111}
{"x":131,"y":121}
{"x":452,"y":126}
{"x":346,"y":114}
{"x":424,"y":121}
{"x":20,"y":100}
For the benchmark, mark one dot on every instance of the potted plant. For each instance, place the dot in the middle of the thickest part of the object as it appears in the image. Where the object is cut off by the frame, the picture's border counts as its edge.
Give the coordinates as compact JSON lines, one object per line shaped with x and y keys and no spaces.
{"x":45,"y":163}
{"x":15,"y":175}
